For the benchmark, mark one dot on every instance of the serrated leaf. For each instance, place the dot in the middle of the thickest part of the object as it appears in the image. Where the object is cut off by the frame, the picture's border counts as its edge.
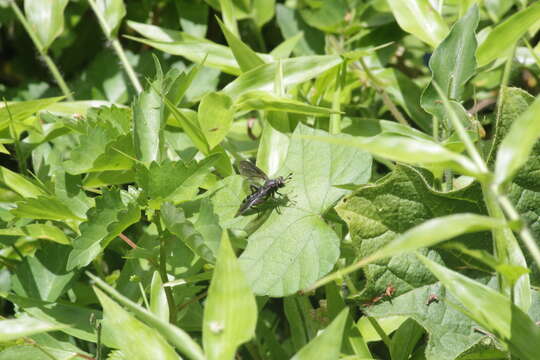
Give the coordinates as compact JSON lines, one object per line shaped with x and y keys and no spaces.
{"x":492,"y":310}
{"x":420,"y":19}
{"x":173,"y":181}
{"x":461,"y":40}
{"x":143,"y":341}
{"x":46,"y":17}
{"x":295,"y":71}
{"x":114,"y":211}
{"x":292,"y":250}
{"x":230,"y":312}
{"x":327,"y":344}
{"x":12,"y":329}
{"x":215,"y":117}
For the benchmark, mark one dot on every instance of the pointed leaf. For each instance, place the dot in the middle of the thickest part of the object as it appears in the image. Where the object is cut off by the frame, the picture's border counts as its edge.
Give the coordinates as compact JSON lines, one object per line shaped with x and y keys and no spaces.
{"x":247,"y":59}
{"x":503,"y":37}
{"x":112,"y":11}
{"x":12,"y":329}
{"x":327,"y":345}
{"x":46,"y":17}
{"x":230,"y":313}
{"x":143,"y":341}
{"x":260,"y":100}
{"x":295,"y":71}
{"x":420,"y":19}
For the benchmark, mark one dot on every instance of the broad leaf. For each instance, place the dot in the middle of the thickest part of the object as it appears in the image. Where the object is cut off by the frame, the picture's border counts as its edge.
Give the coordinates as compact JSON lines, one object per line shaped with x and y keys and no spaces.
{"x":377,"y":214}
{"x":44,"y":275}
{"x":492,"y":310}
{"x":293,"y":249}
{"x":112,"y":12}
{"x":420,"y":19}
{"x":46,"y":17}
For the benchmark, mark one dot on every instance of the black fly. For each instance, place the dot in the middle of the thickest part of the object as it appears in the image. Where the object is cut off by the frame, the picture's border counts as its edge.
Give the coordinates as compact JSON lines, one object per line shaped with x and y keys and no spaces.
{"x":259,"y":193}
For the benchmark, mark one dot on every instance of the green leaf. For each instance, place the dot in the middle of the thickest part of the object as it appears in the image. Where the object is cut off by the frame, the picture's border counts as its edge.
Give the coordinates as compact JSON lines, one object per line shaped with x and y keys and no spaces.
{"x":173,"y":334}
{"x":405,"y":339}
{"x":260,"y":100}
{"x":22,"y":110}
{"x":74,"y":319}
{"x":175,"y":221}
{"x":215,"y":117}
{"x":295,"y":71}
{"x":192,"y":48}
{"x":517,"y":145}
{"x":115,"y":211}
{"x":12,"y":329}
{"x":379,"y":213}
{"x":493,"y":311}
{"x":247,"y":59}
{"x":450,"y":332}
{"x":19,"y":184}
{"x":46,"y":18}
{"x":149,"y":121}
{"x":412,"y":151}
{"x":44,"y":207}
{"x":173,"y":181}
{"x":189,"y":123}
{"x":295,"y":248}
{"x":327,"y":344}
{"x":503,"y":37}
{"x":143,"y":341}
{"x":291,"y":25}
{"x":461,"y":40}
{"x":329,"y":16}
{"x":44,"y":275}
{"x":112,"y":11}
{"x":230,"y":312}
{"x":105,"y":142}
{"x":437,"y":230}
{"x":38,"y":231}
{"x":284,"y":50}
{"x":420,"y":19}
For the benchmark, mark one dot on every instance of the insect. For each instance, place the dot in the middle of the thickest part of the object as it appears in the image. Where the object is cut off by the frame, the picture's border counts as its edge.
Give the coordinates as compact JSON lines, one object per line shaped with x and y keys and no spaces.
{"x":432,"y":299}
{"x":388,"y":292}
{"x":259,"y":193}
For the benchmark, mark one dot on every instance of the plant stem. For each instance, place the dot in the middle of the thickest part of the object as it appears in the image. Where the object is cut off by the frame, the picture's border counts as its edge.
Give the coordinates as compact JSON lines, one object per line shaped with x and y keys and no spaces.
{"x":117,"y":48}
{"x":43,"y":53}
{"x":335,"y":119}
{"x":163,"y":268}
{"x":127,"y":66}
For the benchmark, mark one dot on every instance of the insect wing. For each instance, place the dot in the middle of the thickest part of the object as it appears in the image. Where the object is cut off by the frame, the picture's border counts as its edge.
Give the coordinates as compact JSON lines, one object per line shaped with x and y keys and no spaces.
{"x":249,"y":170}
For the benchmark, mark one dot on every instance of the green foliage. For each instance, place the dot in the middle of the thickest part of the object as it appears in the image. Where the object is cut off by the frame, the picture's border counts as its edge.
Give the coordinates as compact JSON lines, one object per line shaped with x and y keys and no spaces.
{"x":397,"y":216}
